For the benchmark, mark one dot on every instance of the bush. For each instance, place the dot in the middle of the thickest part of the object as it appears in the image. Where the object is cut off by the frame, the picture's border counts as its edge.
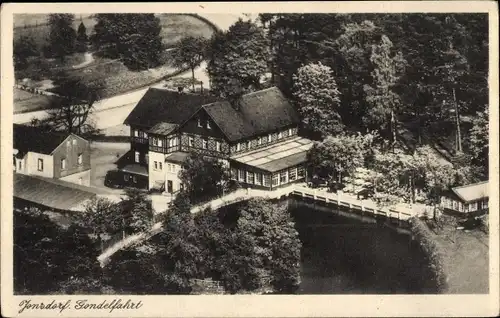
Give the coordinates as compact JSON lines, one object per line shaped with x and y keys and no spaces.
{"x":422,"y":234}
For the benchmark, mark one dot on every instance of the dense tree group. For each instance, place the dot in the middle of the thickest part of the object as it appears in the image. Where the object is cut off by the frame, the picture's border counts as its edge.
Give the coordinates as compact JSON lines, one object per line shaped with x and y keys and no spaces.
{"x":47,"y":257}
{"x":253,"y":247}
{"x":238,"y":59}
{"x":62,"y":36}
{"x":134,"y":38}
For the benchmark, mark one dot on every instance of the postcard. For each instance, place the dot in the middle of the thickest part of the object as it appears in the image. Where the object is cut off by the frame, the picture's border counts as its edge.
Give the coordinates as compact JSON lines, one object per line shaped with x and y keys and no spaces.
{"x":257,"y":159}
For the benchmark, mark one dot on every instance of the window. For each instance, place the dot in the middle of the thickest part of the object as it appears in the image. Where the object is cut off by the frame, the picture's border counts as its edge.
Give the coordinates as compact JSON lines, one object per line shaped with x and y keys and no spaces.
{"x":191,"y":142}
{"x":137,"y":156}
{"x":136,"y":133}
{"x":74,"y":142}
{"x":276,"y":179}
{"x":146,"y":158}
{"x":217,"y":146}
{"x":125,"y":177}
{"x":234,"y":174}
{"x":80,"y":159}
{"x":280,"y":135}
{"x":284,"y":177}
{"x":63,"y":163}
{"x":208,"y":124}
{"x":293,"y":174}
{"x":199,"y":122}
{"x":266,"y":180}
{"x":259,"y":142}
{"x":145,"y":135}
{"x":175,"y":141}
{"x":238,"y":147}
{"x":160,"y":165}
{"x":134,"y":178}
{"x":242,"y":175}
{"x":205,"y":144}
{"x":290,"y":131}
{"x":155,"y":141}
{"x":156,"y":165}
{"x":160,"y":142}
{"x":169,"y":167}
{"x":258,"y":178}
{"x":250,"y":177}
{"x":20,"y":165}
{"x":301,"y":173}
{"x":249,"y":144}
{"x":269,"y":138}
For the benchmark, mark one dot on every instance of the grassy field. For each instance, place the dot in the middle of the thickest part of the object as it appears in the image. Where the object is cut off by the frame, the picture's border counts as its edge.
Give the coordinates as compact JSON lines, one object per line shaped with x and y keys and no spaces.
{"x":117,"y":78}
{"x":465,"y":258}
{"x":174,"y":27}
{"x":26,"y":101}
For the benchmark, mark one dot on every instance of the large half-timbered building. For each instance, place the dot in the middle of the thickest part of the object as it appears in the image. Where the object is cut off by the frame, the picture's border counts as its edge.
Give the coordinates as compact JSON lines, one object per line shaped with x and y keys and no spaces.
{"x":257,"y":137}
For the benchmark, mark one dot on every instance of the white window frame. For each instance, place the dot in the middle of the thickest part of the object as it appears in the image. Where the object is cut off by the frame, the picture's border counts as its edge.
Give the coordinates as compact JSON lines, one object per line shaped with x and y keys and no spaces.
{"x":160,"y":142}
{"x":63,"y":163}
{"x":80,"y":159}
{"x":285,"y":173}
{"x":217,"y":146}
{"x":137,"y":157}
{"x":191,"y":141}
{"x":204,"y":143}
{"x":259,"y":141}
{"x":156,"y":165}
{"x":160,"y":165}
{"x":136,"y":133}
{"x":277,"y":175}
{"x":155,"y":141}
{"x":145,"y":135}
{"x":264,"y":180}
{"x":74,"y":142}
{"x":269,"y":138}
{"x":238,"y":147}
{"x":234,"y":174}
{"x":292,"y":171}
{"x":249,"y":144}
{"x":290,"y":132}
{"x":249,"y":175}
{"x":258,"y":178}
{"x":301,"y":169}
{"x":208,"y":124}
{"x":280,"y":135}
{"x":199,"y":123}
{"x":241,"y":175}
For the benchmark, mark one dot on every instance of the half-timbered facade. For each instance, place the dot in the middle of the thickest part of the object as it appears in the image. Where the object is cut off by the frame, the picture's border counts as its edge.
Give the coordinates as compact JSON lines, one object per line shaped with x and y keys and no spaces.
{"x":257,"y":137}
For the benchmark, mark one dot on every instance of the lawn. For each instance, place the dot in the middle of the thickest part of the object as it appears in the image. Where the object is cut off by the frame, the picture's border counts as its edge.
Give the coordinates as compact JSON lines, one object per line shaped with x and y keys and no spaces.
{"x":465,"y":258}
{"x":174,"y":27}
{"x":117,"y":78}
{"x":26,"y":102}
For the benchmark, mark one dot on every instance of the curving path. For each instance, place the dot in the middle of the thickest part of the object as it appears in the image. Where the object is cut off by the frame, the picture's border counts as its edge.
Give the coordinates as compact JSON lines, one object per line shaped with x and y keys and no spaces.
{"x":112,"y":111}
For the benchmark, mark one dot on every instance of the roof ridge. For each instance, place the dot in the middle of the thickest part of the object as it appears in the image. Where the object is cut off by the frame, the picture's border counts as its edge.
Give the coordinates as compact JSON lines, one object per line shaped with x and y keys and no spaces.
{"x":260,"y":91}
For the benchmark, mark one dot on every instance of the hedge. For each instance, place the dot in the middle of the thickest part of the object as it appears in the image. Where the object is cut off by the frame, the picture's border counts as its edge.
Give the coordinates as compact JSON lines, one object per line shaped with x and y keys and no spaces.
{"x":422,"y":234}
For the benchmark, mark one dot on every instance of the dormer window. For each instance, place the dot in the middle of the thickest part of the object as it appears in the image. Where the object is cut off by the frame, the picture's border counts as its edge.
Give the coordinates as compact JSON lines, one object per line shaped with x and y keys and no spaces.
{"x":199,"y":122}
{"x":208,"y":124}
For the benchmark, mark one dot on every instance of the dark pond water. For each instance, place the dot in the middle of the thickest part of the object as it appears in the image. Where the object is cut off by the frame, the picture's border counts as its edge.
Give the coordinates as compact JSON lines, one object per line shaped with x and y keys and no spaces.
{"x":345,"y":256}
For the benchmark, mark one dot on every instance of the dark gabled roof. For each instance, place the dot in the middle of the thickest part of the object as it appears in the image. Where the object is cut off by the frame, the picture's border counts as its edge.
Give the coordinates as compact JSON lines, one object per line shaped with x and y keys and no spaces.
{"x":258,"y":113}
{"x":57,"y":195}
{"x":161,"y":105}
{"x":29,"y":138}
